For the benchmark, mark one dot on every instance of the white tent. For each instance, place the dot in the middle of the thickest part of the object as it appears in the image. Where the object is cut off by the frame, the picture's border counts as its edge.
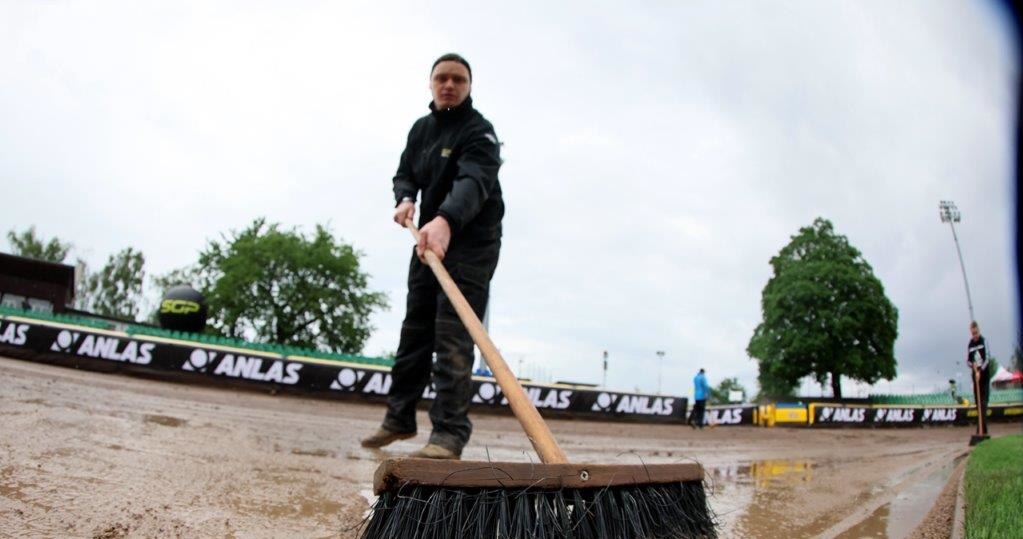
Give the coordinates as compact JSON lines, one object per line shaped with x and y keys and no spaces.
{"x":1001,"y":375}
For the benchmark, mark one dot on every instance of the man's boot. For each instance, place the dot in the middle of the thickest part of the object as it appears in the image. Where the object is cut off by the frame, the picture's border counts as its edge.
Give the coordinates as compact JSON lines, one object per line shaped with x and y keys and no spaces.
{"x":384,"y":437}
{"x":434,"y":451}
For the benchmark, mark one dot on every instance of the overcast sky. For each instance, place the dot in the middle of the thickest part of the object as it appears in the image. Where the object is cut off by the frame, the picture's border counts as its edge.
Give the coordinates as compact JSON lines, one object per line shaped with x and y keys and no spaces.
{"x":657,"y":155}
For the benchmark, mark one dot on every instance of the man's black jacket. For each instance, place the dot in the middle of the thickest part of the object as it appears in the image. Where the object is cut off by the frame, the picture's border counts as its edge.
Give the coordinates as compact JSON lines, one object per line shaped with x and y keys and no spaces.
{"x":452,"y":157}
{"x":976,"y":353}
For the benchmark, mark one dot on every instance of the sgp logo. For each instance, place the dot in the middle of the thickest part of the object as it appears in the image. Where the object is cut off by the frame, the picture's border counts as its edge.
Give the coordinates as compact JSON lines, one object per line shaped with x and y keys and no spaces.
{"x":179,"y":306}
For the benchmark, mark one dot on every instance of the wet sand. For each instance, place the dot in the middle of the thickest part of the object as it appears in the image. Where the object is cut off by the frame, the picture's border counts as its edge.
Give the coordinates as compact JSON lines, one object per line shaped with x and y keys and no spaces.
{"x":96,"y":455}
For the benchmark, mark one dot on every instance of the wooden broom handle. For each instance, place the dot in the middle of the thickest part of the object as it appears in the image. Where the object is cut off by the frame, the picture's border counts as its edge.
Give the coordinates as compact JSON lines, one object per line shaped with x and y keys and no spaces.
{"x":977,"y":394}
{"x":536,"y":429}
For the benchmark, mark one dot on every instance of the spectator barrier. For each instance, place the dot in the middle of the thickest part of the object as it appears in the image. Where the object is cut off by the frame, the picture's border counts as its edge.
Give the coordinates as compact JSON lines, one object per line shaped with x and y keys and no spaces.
{"x":214,"y":361}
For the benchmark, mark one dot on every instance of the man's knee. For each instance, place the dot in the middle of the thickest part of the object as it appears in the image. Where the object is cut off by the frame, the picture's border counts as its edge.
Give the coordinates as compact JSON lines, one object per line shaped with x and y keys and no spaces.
{"x":454,"y":348}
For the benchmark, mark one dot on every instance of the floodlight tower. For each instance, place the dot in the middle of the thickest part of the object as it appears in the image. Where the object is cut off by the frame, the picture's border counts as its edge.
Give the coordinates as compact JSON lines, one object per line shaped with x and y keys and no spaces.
{"x":950,"y":214}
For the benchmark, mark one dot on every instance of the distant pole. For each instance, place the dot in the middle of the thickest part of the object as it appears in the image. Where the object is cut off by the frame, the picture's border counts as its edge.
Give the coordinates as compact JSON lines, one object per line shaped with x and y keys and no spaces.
{"x":486,"y":326}
{"x":660,"y":369}
{"x":950,"y":214}
{"x":604,"y":385}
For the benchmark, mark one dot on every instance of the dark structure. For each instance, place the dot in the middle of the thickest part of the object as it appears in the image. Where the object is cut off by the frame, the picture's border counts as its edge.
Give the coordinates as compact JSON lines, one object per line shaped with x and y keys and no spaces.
{"x":183,"y":309}
{"x":35,"y":285}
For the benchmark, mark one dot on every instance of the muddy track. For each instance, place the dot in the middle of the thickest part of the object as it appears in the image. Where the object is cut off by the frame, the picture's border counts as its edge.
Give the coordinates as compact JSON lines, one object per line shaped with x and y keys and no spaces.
{"x":97,"y":455}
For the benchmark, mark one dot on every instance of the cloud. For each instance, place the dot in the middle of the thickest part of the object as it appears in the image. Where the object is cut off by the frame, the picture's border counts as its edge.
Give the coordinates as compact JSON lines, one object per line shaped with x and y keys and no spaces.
{"x":656,"y":156}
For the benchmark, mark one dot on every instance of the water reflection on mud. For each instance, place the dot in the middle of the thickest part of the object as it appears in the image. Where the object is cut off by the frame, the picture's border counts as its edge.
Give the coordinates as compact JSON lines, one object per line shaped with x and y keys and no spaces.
{"x":761,"y":499}
{"x":750,"y":498}
{"x":765,"y":473}
{"x":898,"y":518}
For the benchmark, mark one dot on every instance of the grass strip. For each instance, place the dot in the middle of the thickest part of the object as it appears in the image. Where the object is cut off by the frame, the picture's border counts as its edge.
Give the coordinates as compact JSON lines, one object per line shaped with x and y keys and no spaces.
{"x":994,"y":489}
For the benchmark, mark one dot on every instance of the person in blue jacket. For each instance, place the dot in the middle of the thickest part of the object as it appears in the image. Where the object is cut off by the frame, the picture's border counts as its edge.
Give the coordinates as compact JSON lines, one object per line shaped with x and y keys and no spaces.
{"x":701,"y":390}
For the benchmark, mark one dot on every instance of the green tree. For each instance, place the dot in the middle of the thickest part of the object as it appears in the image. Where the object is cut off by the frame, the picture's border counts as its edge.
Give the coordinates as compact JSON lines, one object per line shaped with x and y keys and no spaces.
{"x":993,"y":364}
{"x":116,"y":291}
{"x":825,"y":314}
{"x":27,"y":244}
{"x":773,"y":387}
{"x":719,"y":394}
{"x":273,"y":285}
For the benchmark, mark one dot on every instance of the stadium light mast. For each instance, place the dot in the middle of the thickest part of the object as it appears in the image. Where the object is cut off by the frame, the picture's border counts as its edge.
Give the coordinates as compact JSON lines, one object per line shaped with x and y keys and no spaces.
{"x":660,"y":368}
{"x":950,"y":214}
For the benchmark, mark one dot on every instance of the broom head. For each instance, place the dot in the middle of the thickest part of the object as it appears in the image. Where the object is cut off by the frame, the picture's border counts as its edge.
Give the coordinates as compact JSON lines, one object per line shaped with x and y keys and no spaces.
{"x":423,"y":498}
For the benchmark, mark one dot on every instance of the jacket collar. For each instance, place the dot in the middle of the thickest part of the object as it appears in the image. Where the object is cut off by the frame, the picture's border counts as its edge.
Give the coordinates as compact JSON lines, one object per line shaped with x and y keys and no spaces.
{"x":444,"y":115}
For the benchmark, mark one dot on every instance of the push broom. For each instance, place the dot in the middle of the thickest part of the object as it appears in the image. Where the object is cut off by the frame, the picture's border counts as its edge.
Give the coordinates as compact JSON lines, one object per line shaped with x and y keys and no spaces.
{"x":424,"y":498}
{"x":981,"y":431}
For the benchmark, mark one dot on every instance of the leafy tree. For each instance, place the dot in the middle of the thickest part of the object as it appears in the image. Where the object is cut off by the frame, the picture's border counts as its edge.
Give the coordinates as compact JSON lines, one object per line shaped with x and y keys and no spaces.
{"x":825,"y":314}
{"x":773,"y":387}
{"x":719,"y":394}
{"x":116,"y":290}
{"x":993,"y":364}
{"x":27,"y":244}
{"x":273,"y":285}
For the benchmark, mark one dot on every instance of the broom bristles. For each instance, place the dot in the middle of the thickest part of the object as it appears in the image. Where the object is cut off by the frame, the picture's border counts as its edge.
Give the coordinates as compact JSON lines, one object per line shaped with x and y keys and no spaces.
{"x":658,"y":511}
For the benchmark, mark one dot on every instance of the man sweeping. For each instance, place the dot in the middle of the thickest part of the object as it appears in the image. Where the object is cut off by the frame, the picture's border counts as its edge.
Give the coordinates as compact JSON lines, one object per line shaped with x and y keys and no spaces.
{"x":976,"y":358}
{"x":450,"y":162}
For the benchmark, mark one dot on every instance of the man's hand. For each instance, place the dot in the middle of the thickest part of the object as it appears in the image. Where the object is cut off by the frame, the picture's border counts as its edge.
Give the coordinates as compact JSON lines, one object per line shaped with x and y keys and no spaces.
{"x":435,"y":236}
{"x":404,"y":212}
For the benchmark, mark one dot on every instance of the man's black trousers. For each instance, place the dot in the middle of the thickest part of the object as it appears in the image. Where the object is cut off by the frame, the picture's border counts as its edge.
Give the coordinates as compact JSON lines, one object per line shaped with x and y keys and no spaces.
{"x":696,"y":417}
{"x":432,"y":326}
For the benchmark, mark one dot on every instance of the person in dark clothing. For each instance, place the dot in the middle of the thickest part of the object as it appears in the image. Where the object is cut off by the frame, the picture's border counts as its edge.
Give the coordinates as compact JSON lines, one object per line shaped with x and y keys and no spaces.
{"x":701,"y":391}
{"x":976,"y":358}
{"x":451,"y":160}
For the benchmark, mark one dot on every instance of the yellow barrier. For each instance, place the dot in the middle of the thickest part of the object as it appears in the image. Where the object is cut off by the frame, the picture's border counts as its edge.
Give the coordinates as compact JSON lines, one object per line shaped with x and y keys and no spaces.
{"x":769,"y":415}
{"x":790,"y":415}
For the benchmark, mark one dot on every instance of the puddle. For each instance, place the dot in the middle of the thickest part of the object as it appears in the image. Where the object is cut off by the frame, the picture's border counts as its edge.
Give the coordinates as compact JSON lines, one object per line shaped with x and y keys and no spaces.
{"x":753,"y":500}
{"x":898,"y":518}
{"x":766,"y":473}
{"x":874,"y":526}
{"x":749,"y":498}
{"x":164,"y":420}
